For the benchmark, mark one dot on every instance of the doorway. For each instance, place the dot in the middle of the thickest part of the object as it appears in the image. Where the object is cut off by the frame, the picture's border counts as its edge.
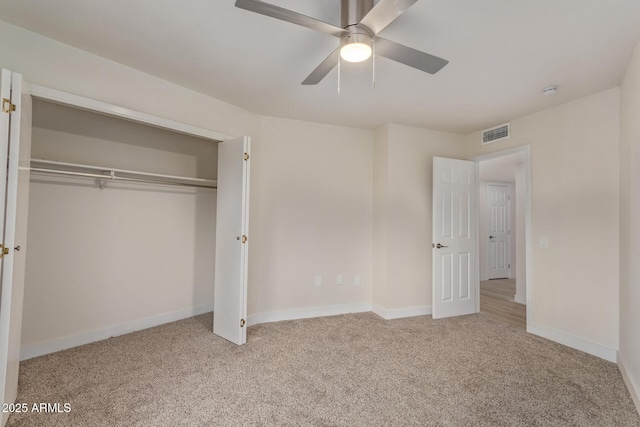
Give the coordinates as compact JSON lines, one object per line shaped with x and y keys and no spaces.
{"x":503,"y":235}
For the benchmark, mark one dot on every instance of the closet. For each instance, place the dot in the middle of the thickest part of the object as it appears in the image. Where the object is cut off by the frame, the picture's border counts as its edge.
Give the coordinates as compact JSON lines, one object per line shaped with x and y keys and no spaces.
{"x":121,"y":223}
{"x":133,"y":221}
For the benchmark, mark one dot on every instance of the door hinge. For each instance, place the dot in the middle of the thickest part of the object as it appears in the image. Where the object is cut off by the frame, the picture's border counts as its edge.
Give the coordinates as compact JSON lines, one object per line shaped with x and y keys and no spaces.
{"x":244,"y":239}
{"x":7,"y":106}
{"x":246,"y":156}
{"x":3,"y":251}
{"x":242,"y":322}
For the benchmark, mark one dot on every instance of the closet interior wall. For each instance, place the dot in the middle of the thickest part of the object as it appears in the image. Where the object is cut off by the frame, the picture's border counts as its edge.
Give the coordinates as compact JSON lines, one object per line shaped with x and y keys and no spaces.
{"x":105,"y":261}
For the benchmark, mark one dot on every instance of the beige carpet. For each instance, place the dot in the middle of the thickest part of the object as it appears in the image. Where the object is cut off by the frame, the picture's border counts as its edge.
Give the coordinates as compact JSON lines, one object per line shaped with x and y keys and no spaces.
{"x":345,"y":370}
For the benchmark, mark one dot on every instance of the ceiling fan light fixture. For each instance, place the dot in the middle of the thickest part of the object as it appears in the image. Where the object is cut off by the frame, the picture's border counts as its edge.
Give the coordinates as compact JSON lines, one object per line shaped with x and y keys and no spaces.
{"x":355,"y":52}
{"x":356,"y":48}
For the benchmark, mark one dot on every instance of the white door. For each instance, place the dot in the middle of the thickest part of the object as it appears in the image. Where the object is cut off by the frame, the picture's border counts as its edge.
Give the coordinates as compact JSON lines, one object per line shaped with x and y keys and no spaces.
{"x":454,"y":238}
{"x":15,"y":146}
{"x":498,"y":204}
{"x":232,"y":240}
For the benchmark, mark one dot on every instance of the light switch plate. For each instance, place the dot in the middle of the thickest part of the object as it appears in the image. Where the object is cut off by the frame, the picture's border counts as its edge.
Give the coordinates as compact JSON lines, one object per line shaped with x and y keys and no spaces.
{"x":317,"y":280}
{"x":544,"y":242}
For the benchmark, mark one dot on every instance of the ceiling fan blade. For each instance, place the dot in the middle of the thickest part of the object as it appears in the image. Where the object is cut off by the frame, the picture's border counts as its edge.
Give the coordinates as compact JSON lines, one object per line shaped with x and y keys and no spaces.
{"x":384,"y":13}
{"x":289,"y":16}
{"x":409,"y":56}
{"x":323,"y":69}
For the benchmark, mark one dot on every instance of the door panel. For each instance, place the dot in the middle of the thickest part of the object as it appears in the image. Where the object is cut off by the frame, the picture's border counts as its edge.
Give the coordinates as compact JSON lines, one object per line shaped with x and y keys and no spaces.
{"x":498,"y":204}
{"x":5,"y":122}
{"x":454,"y":227}
{"x":16,"y":145}
{"x":232,"y":243}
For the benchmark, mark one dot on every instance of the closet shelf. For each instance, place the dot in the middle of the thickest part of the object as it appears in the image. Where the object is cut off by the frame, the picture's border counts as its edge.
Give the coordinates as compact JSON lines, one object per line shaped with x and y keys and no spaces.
{"x":106,"y":174}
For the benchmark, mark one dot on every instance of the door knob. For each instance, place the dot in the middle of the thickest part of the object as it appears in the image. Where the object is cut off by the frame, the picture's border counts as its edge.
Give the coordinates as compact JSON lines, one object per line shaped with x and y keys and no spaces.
{"x":492,"y":237}
{"x":438,"y":246}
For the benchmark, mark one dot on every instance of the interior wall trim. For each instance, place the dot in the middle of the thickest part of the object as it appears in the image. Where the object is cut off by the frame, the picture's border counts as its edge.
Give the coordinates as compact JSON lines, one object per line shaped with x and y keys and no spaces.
{"x":632,"y":384}
{"x":77,"y":101}
{"x":590,"y":347}
{"x":306,"y":313}
{"x":58,"y":344}
{"x":399,"y":313}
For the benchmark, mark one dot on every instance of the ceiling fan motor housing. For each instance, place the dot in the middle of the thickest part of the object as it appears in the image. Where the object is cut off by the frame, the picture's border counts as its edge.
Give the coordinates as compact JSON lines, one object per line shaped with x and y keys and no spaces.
{"x":353,"y":11}
{"x":357,"y":35}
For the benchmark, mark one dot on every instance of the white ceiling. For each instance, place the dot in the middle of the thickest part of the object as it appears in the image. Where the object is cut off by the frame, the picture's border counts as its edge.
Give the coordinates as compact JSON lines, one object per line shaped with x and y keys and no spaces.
{"x":502,"y":54}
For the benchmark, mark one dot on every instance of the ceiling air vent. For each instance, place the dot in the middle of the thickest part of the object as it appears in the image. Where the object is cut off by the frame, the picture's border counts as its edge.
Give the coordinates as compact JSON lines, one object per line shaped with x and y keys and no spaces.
{"x":497,"y":133}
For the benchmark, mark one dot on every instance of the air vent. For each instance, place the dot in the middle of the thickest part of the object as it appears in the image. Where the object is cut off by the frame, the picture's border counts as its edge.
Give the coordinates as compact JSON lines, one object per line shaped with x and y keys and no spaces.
{"x":497,"y":133}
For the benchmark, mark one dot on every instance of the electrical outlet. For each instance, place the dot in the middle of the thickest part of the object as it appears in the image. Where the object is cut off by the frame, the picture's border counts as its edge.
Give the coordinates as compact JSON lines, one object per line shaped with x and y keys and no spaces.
{"x":340,"y":279}
{"x":317,"y":280}
{"x":356,"y":280}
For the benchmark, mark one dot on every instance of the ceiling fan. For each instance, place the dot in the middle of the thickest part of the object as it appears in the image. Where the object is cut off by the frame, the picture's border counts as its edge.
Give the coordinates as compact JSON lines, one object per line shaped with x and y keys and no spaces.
{"x":361,"y":22}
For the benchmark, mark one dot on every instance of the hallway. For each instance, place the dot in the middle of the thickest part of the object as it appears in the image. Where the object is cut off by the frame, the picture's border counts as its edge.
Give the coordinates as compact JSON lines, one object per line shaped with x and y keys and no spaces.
{"x":496,"y":300}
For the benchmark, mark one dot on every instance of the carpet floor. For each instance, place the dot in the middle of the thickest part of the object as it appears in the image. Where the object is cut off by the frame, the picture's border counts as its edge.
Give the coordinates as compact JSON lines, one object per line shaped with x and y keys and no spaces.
{"x":348,"y":370}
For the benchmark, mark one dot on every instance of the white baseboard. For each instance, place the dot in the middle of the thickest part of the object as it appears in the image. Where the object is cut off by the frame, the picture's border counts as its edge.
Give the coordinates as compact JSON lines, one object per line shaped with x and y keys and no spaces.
{"x":398,"y":313}
{"x":632,"y":384}
{"x":305,"y":313}
{"x":520,"y":299}
{"x":595,"y":349}
{"x":35,"y":350}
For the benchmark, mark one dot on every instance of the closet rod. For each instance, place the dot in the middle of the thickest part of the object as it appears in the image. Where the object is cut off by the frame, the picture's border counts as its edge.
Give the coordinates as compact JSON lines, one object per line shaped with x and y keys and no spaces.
{"x":210,"y":182}
{"x":63,"y":168}
{"x":119,"y":178}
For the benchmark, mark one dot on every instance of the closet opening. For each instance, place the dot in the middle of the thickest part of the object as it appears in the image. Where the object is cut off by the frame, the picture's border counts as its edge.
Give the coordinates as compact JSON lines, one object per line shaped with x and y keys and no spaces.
{"x":121,"y":227}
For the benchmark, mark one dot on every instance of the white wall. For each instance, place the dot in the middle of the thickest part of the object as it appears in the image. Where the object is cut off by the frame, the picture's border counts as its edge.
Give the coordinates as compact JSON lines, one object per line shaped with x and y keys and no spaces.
{"x":629,"y":354}
{"x":404,"y":213}
{"x":313,"y":207}
{"x":380,"y":219}
{"x":101,"y":258}
{"x":46,"y":62}
{"x":575,"y":198}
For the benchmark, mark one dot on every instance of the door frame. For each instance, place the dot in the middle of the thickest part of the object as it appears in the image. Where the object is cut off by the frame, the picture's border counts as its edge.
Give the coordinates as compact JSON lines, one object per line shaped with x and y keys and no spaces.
{"x":526,"y":151}
{"x":88,"y":104}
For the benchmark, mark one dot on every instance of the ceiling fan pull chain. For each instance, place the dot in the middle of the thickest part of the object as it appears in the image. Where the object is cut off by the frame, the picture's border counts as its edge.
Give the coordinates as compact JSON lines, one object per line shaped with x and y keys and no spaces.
{"x":339,"y":69}
{"x":373,"y":60}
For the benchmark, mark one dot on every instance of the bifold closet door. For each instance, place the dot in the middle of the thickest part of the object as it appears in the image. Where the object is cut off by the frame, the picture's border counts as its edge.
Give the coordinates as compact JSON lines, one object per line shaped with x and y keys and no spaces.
{"x":232,"y":240}
{"x":15,"y":149}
